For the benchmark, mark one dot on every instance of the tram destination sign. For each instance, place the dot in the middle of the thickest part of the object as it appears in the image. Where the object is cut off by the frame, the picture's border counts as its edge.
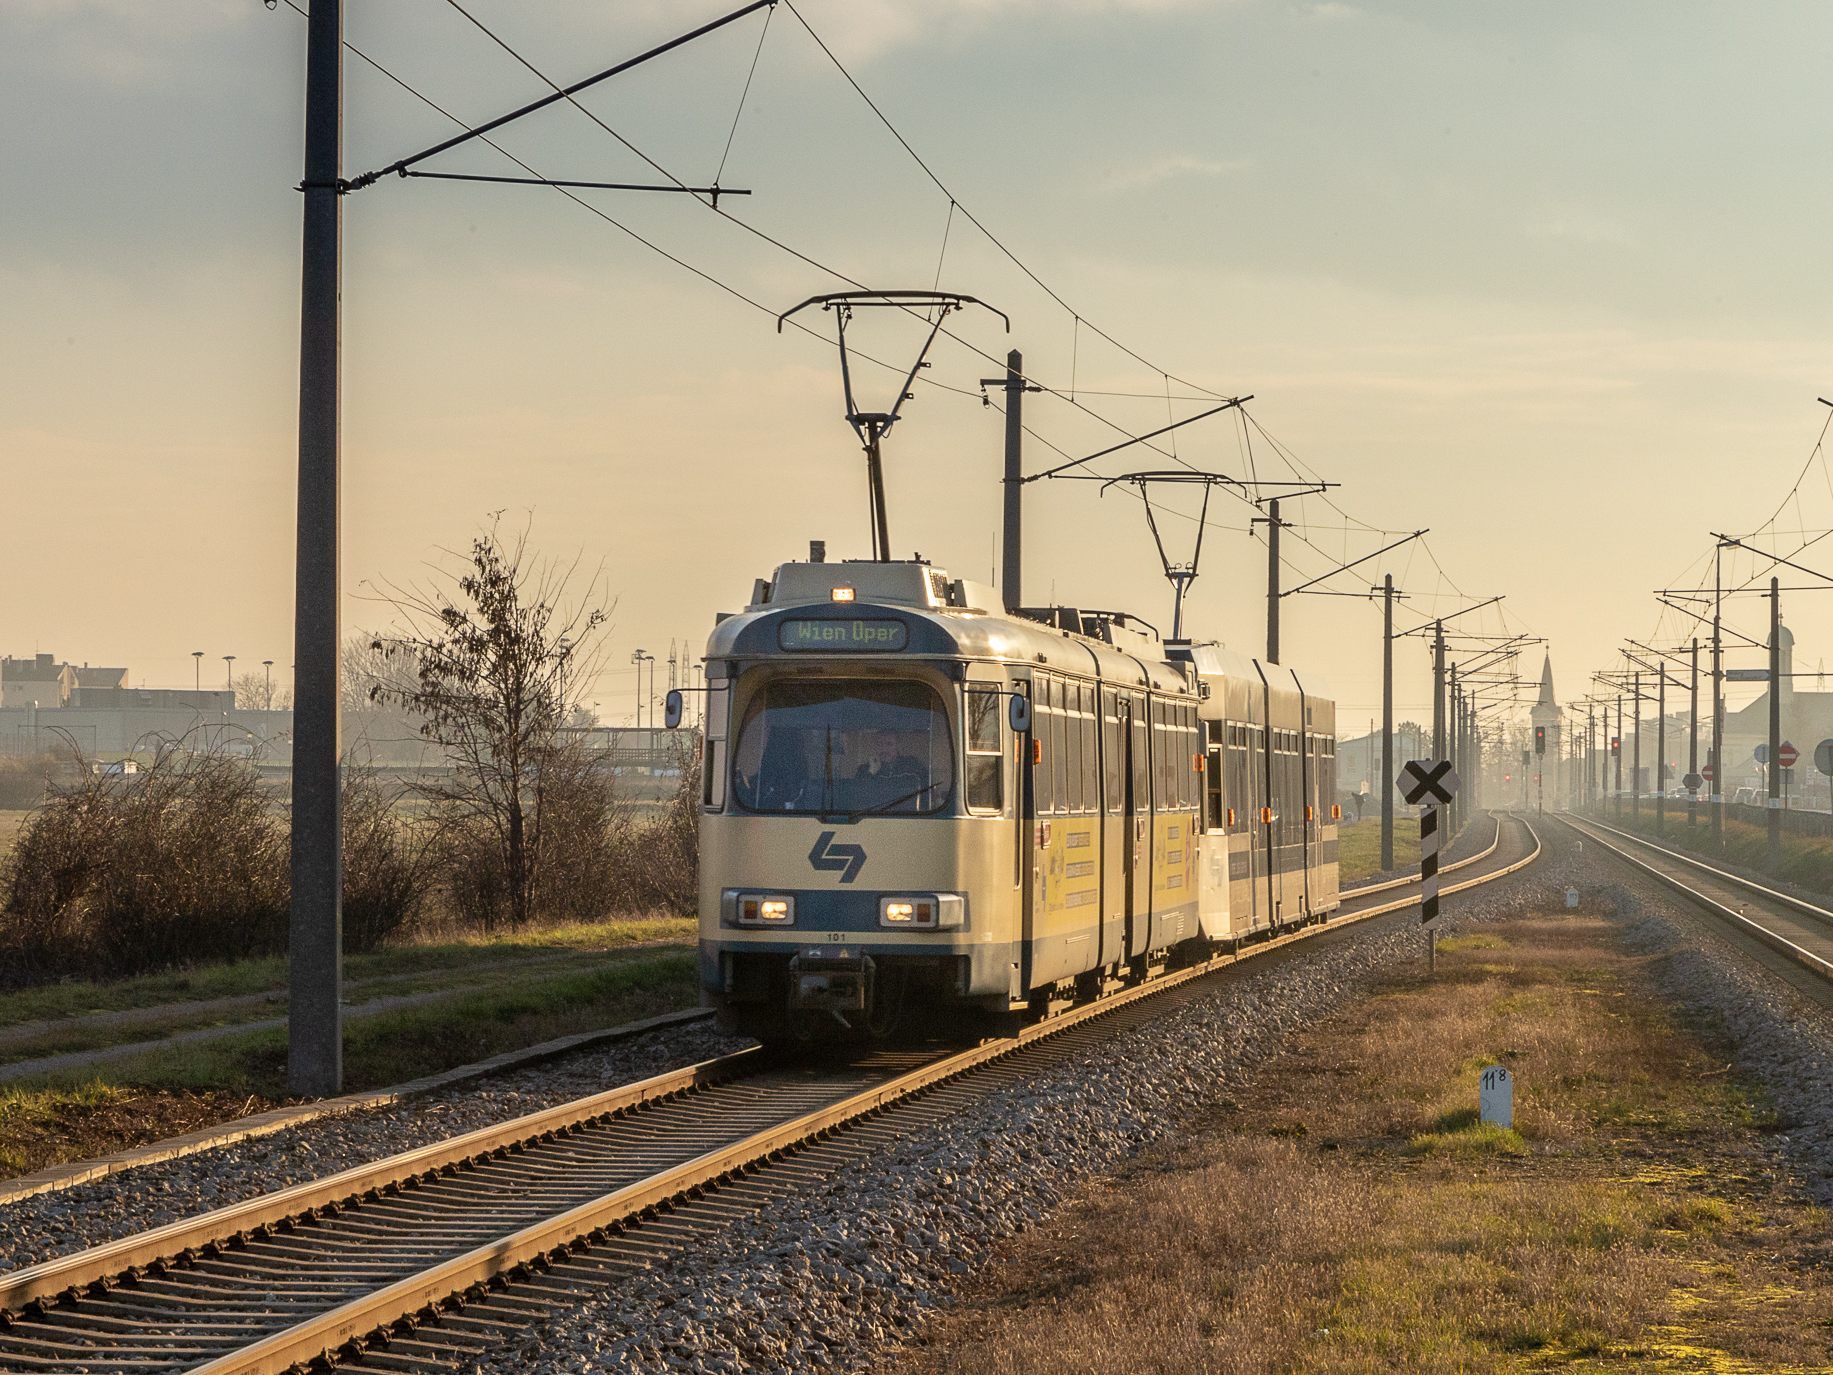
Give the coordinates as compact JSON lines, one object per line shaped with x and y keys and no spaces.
{"x":844,"y":635}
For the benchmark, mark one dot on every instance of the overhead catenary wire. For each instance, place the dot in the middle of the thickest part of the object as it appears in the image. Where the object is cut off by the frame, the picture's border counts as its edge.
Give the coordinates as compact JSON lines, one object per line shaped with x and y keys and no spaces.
{"x":955,"y":206}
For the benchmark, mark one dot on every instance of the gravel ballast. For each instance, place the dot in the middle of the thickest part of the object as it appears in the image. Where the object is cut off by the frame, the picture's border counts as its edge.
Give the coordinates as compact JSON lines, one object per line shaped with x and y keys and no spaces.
{"x":834,"y":1276}
{"x":52,"y":1224}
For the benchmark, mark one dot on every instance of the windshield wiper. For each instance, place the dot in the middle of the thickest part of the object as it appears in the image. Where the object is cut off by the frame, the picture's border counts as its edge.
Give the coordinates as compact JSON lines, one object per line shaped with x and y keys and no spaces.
{"x":894,"y":802}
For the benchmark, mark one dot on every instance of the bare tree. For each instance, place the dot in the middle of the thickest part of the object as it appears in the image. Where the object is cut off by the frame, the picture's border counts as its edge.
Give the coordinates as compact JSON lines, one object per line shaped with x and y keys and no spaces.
{"x":489,"y":658}
{"x":373,"y":683}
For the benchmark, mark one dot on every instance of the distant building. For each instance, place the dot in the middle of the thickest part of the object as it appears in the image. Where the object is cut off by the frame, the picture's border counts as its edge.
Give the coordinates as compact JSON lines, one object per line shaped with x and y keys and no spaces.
{"x":1807,"y":719}
{"x":46,"y":684}
{"x":35,"y":682}
{"x":1545,"y":713}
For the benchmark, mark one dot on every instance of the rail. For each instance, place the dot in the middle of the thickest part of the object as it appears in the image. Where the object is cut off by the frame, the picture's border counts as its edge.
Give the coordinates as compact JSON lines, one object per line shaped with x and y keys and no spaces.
{"x":1597,"y":831}
{"x":349,"y":1323}
{"x":1364,"y":889}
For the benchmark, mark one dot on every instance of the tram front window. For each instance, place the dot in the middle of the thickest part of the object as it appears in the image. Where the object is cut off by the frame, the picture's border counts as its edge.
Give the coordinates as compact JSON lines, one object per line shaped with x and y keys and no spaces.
{"x":828,"y":747}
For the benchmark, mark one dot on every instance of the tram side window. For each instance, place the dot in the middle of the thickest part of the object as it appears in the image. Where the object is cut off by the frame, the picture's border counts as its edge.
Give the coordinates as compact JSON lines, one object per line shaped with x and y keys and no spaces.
{"x":1142,"y":756}
{"x":1077,"y":790}
{"x":1043,"y":774}
{"x":1059,"y":740}
{"x":1161,"y":759}
{"x":985,"y":759}
{"x":1090,"y":725}
{"x":1193,"y":750}
{"x":1114,"y":754}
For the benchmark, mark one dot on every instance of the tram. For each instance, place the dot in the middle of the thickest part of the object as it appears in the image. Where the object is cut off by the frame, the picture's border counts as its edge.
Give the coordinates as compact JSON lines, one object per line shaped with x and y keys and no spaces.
{"x":923,"y":811}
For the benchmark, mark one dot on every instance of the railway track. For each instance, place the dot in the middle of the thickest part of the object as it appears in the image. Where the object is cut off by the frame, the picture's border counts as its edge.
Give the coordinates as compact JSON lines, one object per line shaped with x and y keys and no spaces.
{"x":414,"y":1261}
{"x":1789,"y":936}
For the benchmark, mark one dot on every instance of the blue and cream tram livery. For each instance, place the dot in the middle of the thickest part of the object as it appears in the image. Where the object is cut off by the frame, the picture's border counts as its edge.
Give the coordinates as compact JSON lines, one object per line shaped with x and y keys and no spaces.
{"x":920,"y":810}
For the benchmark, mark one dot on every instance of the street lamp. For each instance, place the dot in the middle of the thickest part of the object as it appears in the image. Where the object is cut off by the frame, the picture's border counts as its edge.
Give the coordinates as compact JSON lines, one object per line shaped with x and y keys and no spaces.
{"x":639,"y":657}
{"x":229,"y":675}
{"x":267,"y":689}
{"x":197,"y":670}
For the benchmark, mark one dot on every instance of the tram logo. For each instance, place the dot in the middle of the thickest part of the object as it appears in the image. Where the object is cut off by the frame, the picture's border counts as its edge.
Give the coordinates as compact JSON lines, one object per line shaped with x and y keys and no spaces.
{"x":845,"y":860}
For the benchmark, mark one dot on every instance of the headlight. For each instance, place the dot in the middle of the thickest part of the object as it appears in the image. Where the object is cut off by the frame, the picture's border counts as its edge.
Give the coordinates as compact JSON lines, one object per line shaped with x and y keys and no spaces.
{"x":756,"y":909}
{"x":921,"y":911}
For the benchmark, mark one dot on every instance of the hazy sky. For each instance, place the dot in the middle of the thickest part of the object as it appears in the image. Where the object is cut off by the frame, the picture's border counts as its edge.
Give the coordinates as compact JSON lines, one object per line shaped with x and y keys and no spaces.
{"x":1547,"y":279}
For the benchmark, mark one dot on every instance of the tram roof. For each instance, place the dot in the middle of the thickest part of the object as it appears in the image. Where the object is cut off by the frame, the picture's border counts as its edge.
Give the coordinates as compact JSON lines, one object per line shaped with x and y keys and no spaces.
{"x":951,"y":618}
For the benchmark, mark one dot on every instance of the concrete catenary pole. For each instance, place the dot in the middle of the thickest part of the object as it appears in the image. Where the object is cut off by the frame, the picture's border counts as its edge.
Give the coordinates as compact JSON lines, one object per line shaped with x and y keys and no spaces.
{"x":1717,"y":757}
{"x":1438,"y":690}
{"x":1012,"y":547}
{"x":1387,"y":723}
{"x":1693,"y":739}
{"x":315,"y":1056}
{"x":1774,"y":766}
{"x":1273,"y":581}
{"x":1618,"y":753}
{"x":1452,"y":743}
{"x":1635,"y":763}
{"x":1661,"y":749}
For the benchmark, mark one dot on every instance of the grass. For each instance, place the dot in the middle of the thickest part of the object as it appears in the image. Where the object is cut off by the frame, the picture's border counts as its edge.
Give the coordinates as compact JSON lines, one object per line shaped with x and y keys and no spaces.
{"x":147,"y":1097}
{"x":1804,"y":861}
{"x":1359,"y":848}
{"x":1348,"y":1213}
{"x":477,"y":954}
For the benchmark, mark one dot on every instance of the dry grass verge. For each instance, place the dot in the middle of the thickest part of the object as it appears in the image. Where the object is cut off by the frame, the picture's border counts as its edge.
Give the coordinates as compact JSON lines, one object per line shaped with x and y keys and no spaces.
{"x":1350,"y":1215}
{"x":148,"y":1098}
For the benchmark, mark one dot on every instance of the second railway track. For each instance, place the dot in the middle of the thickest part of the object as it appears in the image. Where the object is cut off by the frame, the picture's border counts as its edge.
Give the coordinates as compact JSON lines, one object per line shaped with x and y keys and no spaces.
{"x":1794,"y":936}
{"x":322,"y":1270}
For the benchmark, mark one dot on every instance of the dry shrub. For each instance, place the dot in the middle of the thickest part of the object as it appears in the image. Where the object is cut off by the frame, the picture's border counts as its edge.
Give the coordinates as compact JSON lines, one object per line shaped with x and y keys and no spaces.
{"x":575,"y":878}
{"x":119,"y":874}
{"x":658,"y":856}
{"x":187,"y":862}
{"x":25,"y":778}
{"x":388,"y":873}
{"x":572,"y":828}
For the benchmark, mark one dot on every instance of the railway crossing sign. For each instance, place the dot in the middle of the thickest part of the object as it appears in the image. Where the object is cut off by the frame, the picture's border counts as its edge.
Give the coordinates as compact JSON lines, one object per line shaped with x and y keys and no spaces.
{"x":1787,"y":754}
{"x":1430,"y":781}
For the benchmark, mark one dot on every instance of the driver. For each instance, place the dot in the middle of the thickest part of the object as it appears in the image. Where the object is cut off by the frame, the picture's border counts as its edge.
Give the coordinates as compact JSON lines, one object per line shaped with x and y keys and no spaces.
{"x":888,"y":772}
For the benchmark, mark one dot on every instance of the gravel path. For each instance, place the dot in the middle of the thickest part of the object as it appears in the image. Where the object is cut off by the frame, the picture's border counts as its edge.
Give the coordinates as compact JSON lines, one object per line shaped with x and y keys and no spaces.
{"x":53,"y":1224}
{"x":829,"y":1279}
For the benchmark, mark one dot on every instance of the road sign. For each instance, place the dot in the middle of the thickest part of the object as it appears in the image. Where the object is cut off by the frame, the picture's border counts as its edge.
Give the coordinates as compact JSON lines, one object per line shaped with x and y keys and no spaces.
{"x":1692,"y":781}
{"x":1787,"y":754}
{"x":1430,"y":781}
{"x":1761,"y":752}
{"x":1746,"y":675}
{"x":1708,"y":773}
{"x":1823,"y":757}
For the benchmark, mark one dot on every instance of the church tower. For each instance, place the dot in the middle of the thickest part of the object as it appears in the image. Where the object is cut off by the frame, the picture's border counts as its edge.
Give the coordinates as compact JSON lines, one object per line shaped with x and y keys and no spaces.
{"x":1546,"y":714}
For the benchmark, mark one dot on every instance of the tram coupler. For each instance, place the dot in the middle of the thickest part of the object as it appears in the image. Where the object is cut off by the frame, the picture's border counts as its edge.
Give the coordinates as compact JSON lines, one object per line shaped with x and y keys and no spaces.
{"x":830,"y":981}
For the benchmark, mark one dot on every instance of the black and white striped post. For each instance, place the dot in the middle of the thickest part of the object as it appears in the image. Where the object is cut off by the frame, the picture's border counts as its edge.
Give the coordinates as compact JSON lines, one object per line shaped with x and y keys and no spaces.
{"x":1428,"y":864}
{"x":1428,"y":784}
